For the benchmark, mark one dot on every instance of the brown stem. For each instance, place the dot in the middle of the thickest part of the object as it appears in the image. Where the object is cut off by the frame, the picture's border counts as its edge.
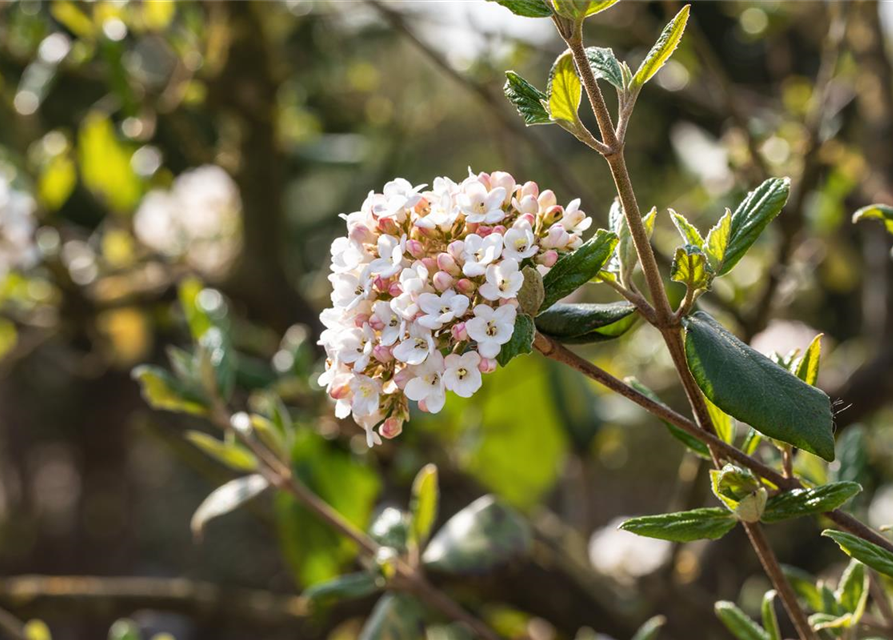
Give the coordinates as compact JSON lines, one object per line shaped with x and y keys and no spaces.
{"x":881,"y":599}
{"x":779,"y":581}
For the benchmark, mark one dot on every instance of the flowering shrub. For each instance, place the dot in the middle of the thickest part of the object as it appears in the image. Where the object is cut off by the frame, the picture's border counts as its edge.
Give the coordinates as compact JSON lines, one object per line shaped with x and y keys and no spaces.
{"x":426,"y":288}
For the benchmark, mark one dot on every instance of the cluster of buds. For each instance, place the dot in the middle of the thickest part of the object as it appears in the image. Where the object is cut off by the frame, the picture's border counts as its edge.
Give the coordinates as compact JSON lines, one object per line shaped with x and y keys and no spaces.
{"x":425,"y":290}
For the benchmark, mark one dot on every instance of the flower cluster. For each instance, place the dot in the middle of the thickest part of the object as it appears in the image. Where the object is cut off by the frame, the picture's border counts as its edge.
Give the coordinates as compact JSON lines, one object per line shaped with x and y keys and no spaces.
{"x":425,"y":290}
{"x":197,"y":219}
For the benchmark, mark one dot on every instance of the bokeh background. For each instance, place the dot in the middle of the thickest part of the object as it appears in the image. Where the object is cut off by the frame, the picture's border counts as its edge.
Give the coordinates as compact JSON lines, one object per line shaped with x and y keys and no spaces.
{"x":144,"y":143}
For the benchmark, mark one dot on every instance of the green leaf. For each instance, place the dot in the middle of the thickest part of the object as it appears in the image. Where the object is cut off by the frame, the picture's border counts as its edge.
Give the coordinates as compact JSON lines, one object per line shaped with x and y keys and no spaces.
{"x":650,"y":629}
{"x":740,"y":491}
{"x":532,"y":292}
{"x":732,"y":375}
{"x":226,"y":498}
{"x":852,"y":592}
{"x":391,"y":529}
{"x":738,"y":622}
{"x":124,"y":629}
{"x":804,"y":586}
{"x":604,"y":65}
{"x":576,"y":269}
{"x":528,"y":100}
{"x":162,"y":391}
{"x":722,"y":422}
{"x":690,"y":235}
{"x":37,"y":630}
{"x":564,"y":91}
{"x":105,"y":166}
{"x":58,"y":179}
{"x":804,"y":502}
{"x":808,"y":366}
{"x":483,"y":535}
{"x":527,"y":8}
{"x":397,"y":616}
{"x":423,"y":504}
{"x":350,"y":586}
{"x":664,"y":47}
{"x":864,"y":551}
{"x":690,"y":267}
{"x":231,"y":454}
{"x":204,"y":308}
{"x":624,"y":260}
{"x":521,"y":342}
{"x":821,"y":621}
{"x":694,"y":445}
{"x":876,"y":212}
{"x":684,"y":526}
{"x":578,"y":9}
{"x":770,"y":619}
{"x":757,"y":210}
{"x":582,"y":323}
{"x":718,"y":241}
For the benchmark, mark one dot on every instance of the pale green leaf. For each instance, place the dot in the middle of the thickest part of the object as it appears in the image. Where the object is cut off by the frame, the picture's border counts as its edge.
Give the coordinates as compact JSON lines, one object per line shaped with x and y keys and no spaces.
{"x":690,"y":268}
{"x":423,"y":504}
{"x":651,"y":628}
{"x":770,"y":619}
{"x":229,"y":453}
{"x":162,"y":391}
{"x":664,"y":47}
{"x":527,"y":8}
{"x":227,"y":498}
{"x":564,"y":91}
{"x":690,"y":234}
{"x":808,"y":366}
{"x":852,"y":592}
{"x":881,"y":212}
{"x":864,"y":551}
{"x":718,"y":240}
{"x":738,"y":623}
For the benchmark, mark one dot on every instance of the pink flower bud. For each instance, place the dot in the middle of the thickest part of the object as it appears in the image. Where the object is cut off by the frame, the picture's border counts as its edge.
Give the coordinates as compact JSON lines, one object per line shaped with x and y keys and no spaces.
{"x":340,"y":391}
{"x":504,"y":180}
{"x":530,"y":189}
{"x":391,"y":428}
{"x":388,"y":226}
{"x":360,"y":319}
{"x":484,"y":179}
{"x":362,"y":234}
{"x":415,"y":248}
{"x":402,"y":377}
{"x":446,"y":262}
{"x":430,"y":263}
{"x":466,"y":286}
{"x":500,"y":229}
{"x":557,"y":238}
{"x":552,"y":215}
{"x":549,"y":258}
{"x":483,"y":231}
{"x":547,"y":199}
{"x":442,"y":281}
{"x":382,"y":353}
{"x":423,"y":407}
{"x":380,"y":283}
{"x":395,"y":289}
{"x":458,"y":332}
{"x":376,"y":323}
{"x":472,"y":227}
{"x":456,"y":249}
{"x":528,"y":204}
{"x":487,"y":365}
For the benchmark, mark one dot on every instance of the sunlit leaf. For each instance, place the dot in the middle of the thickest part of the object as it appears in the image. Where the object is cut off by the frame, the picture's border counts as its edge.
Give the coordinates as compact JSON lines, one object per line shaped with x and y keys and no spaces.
{"x":226,"y":498}
{"x":731,"y":374}
{"x":808,"y":365}
{"x":528,"y":100}
{"x":718,"y":241}
{"x":527,"y":8}
{"x":690,"y":268}
{"x":564,"y":91}
{"x":604,"y":65}
{"x":581,"y":323}
{"x":231,"y":454}
{"x":864,"y":551}
{"x":651,"y":628}
{"x":797,"y":503}
{"x":739,"y":623}
{"x":852,"y":592}
{"x":770,"y":618}
{"x":423,"y":503}
{"x":56,"y":182}
{"x":664,"y":47}
{"x":163,"y":391}
{"x":684,"y":526}
{"x":105,"y":166}
{"x":758,"y":209}
{"x":690,"y":235}
{"x":881,"y":212}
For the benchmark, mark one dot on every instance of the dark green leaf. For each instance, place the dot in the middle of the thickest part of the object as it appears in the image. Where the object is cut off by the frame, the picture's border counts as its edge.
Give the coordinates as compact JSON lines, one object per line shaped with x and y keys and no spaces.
{"x":739,"y":623}
{"x":664,"y":47}
{"x":528,"y":100}
{"x":483,"y":535}
{"x":521,"y":342}
{"x":770,"y":619}
{"x":582,"y":323}
{"x":865,"y":552}
{"x":876,"y":212}
{"x":604,"y":65}
{"x":576,"y":269}
{"x":352,"y":585}
{"x":650,"y":629}
{"x":750,"y":387}
{"x":397,"y":616}
{"x":532,"y":293}
{"x":750,"y":218}
{"x":527,"y":8}
{"x":683,"y":526}
{"x":423,"y":504}
{"x":804,"y":502}
{"x":226,"y":498}
{"x":804,"y":586}
{"x":694,"y":445}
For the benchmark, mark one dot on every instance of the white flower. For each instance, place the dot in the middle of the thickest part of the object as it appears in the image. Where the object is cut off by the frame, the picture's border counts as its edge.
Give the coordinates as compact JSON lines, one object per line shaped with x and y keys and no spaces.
{"x":347,"y":255}
{"x":349,"y":289}
{"x":392,"y":324}
{"x":390,"y":262}
{"x":355,"y":347}
{"x":519,"y":242}
{"x":366,"y":392}
{"x":491,"y":328}
{"x":461,"y":375}
{"x":441,"y":309}
{"x":574,"y":220}
{"x":479,"y":252}
{"x":624,"y":555}
{"x":479,"y":205}
{"x":417,"y":347}
{"x":504,"y":280}
{"x":399,"y":195}
{"x":427,"y":385}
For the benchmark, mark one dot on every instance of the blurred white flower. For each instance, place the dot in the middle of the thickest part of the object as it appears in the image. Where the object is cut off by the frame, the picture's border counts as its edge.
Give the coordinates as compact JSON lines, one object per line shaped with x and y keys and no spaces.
{"x":624,"y":555}
{"x":197,"y":220}
{"x":17,"y":226}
